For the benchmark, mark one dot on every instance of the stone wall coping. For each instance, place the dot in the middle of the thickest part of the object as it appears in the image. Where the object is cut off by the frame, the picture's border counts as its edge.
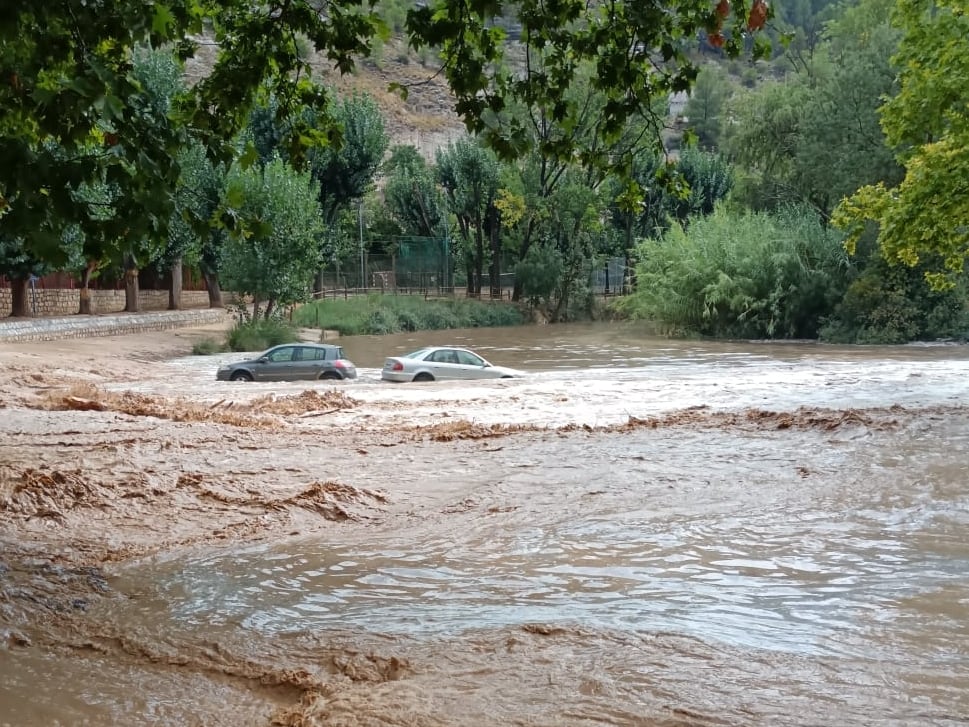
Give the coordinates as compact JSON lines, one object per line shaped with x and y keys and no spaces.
{"x":108,"y":324}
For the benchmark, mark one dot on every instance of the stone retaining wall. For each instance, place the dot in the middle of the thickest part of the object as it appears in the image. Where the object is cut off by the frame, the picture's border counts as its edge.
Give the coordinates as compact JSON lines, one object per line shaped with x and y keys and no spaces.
{"x":66,"y":301}
{"x":48,"y":329}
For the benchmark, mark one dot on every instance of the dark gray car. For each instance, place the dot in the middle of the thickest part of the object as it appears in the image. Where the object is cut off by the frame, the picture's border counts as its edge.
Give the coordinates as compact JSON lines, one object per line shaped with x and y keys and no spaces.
{"x":292,"y":362}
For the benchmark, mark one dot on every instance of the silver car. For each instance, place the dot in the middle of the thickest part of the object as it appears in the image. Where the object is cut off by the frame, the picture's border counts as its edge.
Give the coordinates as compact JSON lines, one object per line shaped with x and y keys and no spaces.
{"x":442,"y":363}
{"x":292,"y":362}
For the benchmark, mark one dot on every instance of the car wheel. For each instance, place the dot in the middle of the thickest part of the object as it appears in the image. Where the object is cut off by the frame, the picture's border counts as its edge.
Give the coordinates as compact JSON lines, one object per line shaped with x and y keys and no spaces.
{"x":423,"y":376}
{"x":241,"y":376}
{"x":329,"y":376}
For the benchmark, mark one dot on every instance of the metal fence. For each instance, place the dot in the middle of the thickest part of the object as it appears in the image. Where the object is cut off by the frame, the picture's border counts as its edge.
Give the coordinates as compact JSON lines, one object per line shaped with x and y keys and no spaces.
{"x":607,"y":278}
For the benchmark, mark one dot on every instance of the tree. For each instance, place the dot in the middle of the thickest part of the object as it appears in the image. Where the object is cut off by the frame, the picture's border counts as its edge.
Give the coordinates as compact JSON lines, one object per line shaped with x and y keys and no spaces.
{"x":273,"y":263}
{"x":469,"y":174}
{"x":705,"y":106}
{"x":345,"y":170}
{"x":633,"y":54}
{"x":815,"y":138}
{"x":575,"y":225}
{"x":925,"y":218}
{"x":699,"y":180}
{"x":68,"y":80}
{"x":160,"y":76}
{"x":194,"y":232}
{"x":18,"y":264}
{"x":762,"y":142}
{"x":412,"y":194}
{"x":841,"y":146}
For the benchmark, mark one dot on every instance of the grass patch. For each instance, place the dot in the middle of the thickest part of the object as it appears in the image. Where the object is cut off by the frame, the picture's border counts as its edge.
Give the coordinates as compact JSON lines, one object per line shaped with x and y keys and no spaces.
{"x":379,"y":314}
{"x":259,"y":335}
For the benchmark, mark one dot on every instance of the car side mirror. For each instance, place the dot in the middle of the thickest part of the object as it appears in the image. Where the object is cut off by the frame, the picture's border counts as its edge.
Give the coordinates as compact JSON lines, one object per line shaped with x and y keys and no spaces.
{"x":264,"y":359}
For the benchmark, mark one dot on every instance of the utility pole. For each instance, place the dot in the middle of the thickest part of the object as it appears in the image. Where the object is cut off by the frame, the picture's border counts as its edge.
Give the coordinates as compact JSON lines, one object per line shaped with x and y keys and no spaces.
{"x":447,"y":250}
{"x":363,"y":273}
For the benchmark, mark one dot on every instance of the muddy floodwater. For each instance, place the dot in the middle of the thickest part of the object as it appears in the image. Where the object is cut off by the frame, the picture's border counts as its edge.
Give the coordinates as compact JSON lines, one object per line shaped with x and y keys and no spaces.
{"x":636,"y":532}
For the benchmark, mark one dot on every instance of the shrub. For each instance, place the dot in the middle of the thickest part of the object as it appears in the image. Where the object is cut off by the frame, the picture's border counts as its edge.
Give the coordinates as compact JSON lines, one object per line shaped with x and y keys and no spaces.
{"x":207,"y":347}
{"x":742,"y":276}
{"x":539,"y":273}
{"x":894,"y":304}
{"x":380,"y":314}
{"x":259,"y":335}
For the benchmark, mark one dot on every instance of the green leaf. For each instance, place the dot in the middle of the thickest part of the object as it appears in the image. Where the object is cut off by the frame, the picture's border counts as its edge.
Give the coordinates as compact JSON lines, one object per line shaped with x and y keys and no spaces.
{"x":250,"y":156}
{"x":163,"y":20}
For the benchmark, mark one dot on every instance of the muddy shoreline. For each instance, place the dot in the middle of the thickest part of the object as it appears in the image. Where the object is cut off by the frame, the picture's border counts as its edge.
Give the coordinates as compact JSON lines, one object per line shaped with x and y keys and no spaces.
{"x":95,"y":478}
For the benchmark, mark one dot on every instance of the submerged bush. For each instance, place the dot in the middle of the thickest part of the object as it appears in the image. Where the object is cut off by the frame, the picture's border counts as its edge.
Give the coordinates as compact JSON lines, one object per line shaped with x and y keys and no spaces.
{"x":207,"y":347}
{"x":894,"y":304}
{"x":259,"y":335}
{"x":380,"y":314}
{"x":754,"y":275}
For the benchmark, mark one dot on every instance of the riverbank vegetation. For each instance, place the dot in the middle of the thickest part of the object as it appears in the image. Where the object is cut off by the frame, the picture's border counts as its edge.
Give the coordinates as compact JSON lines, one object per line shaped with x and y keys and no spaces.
{"x":249,"y":335}
{"x":379,"y":314}
{"x":362,"y":315}
{"x":787,"y":199}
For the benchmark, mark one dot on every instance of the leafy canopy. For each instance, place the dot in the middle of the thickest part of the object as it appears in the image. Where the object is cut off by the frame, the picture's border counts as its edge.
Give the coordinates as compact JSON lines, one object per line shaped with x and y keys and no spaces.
{"x":74,"y":112}
{"x":926,"y":217}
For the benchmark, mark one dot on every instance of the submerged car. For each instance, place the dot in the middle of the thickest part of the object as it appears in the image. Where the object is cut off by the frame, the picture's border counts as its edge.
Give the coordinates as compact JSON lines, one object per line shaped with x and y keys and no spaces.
{"x":292,"y":362}
{"x":442,"y":363}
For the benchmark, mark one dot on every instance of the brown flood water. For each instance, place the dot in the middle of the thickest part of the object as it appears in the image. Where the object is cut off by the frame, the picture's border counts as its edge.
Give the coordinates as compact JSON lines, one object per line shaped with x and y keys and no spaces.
{"x":717,"y":566}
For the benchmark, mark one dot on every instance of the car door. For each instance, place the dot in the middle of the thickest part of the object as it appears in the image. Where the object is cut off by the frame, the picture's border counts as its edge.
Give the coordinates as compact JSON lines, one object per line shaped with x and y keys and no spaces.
{"x":473,"y":366}
{"x":279,"y":367}
{"x":309,"y":362}
{"x":444,"y":364}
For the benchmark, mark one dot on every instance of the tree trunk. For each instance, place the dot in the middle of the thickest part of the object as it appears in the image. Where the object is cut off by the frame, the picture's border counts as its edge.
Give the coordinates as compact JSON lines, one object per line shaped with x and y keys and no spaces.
{"x":628,"y":278}
{"x":84,"y":307}
{"x":478,"y":255}
{"x":318,"y":283}
{"x":522,"y":253}
{"x":256,"y":303}
{"x":130,"y":285}
{"x":469,"y":267}
{"x":19,"y":307}
{"x":270,"y":307}
{"x":214,"y":289}
{"x":495,"y":272}
{"x":175,"y":289}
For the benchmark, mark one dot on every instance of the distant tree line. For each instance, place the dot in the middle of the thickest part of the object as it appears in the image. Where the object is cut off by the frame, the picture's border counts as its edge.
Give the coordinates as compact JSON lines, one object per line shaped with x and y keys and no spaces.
{"x":798,"y":203}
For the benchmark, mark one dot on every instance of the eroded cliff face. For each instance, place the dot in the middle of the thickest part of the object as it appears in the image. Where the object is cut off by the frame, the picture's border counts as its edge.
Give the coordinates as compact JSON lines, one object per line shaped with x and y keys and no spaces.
{"x":425,"y":119}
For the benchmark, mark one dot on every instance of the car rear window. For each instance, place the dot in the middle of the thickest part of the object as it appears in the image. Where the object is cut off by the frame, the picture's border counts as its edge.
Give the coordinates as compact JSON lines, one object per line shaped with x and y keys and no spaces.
{"x":314,"y":354}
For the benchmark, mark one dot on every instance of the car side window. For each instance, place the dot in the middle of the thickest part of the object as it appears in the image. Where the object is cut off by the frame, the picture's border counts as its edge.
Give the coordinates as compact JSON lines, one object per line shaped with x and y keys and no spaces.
{"x":313,"y":354}
{"x":469,"y":359}
{"x":282,"y":354}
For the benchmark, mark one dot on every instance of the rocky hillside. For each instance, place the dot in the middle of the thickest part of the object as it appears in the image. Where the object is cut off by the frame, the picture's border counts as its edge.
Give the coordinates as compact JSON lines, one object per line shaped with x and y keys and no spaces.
{"x":424,"y":120}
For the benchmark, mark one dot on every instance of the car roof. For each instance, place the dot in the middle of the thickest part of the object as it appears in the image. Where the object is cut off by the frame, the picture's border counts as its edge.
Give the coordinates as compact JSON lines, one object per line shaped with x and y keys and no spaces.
{"x":305,"y":344}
